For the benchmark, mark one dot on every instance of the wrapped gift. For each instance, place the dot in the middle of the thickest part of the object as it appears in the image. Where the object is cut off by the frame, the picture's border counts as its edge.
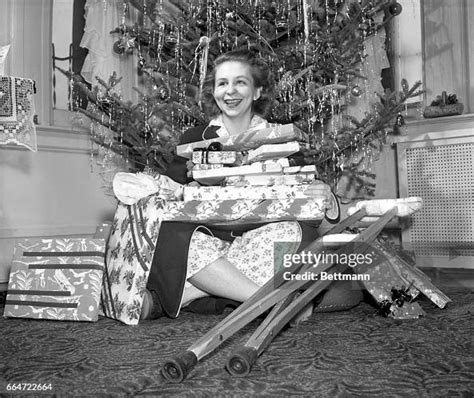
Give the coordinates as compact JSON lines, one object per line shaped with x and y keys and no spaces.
{"x":220,"y":157}
{"x":380,"y":277}
{"x":309,"y":169}
{"x":58,"y":279}
{"x":414,"y":276}
{"x":269,"y":179}
{"x":233,"y":192}
{"x":267,"y":210}
{"x":205,"y":166}
{"x":130,"y":251}
{"x":272,"y":151}
{"x":251,"y":139}
{"x":217,"y":175}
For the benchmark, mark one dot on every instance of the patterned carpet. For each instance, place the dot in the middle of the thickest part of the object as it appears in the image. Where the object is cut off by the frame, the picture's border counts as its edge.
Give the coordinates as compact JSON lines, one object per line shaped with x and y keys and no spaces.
{"x":345,"y":354}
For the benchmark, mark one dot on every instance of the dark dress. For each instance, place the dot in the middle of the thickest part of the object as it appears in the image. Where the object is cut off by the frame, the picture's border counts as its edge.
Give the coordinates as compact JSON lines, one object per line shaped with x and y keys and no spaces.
{"x":168,"y":271}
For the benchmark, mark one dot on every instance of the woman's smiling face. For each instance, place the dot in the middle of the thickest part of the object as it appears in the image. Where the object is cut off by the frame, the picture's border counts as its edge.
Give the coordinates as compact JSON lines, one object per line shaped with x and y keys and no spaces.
{"x":234,"y":90}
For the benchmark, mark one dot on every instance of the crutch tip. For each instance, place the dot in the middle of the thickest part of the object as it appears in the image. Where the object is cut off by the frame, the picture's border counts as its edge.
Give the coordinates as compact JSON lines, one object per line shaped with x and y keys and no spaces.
{"x":241,"y":361}
{"x":175,"y":370}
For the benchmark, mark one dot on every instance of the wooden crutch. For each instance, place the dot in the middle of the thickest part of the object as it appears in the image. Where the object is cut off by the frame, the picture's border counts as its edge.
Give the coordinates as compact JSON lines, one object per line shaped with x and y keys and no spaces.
{"x":176,"y":369}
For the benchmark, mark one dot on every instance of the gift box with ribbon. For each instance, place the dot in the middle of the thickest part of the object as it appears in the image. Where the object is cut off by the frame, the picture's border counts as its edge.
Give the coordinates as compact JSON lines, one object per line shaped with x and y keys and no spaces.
{"x":249,"y":140}
{"x":235,"y":192}
{"x":246,"y":211}
{"x":130,"y":251}
{"x":58,"y":279}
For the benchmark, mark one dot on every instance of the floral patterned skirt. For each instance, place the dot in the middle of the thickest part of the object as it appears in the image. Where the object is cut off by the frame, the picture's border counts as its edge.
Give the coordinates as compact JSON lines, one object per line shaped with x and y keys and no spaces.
{"x":252,"y":253}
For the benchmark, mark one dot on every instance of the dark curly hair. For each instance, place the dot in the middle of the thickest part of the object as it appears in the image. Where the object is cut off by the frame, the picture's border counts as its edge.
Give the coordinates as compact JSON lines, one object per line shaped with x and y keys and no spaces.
{"x":261,"y":78}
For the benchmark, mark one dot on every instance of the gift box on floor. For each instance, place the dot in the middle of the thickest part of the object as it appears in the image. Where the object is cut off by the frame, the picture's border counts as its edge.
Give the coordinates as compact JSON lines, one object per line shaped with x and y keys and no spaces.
{"x":394,"y":284}
{"x":267,"y":210}
{"x":414,"y":276}
{"x":234,"y":192}
{"x":252,"y":139}
{"x":382,"y":277}
{"x":58,"y":279}
{"x":130,"y":251}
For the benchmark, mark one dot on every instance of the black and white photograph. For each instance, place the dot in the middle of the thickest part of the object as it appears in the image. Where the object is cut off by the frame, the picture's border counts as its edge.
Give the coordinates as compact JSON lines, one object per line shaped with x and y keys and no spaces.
{"x":236,"y":198}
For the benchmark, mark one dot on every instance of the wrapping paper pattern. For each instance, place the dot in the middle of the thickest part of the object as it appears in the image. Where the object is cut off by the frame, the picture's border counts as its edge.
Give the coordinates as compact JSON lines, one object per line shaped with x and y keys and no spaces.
{"x":269,"y":179}
{"x":58,"y":279}
{"x":383,"y":277}
{"x":414,"y":276}
{"x":249,"y":140}
{"x":220,"y":157}
{"x":17,"y":111}
{"x":130,"y":251}
{"x":268,"y":210}
{"x":389,"y":272}
{"x":271,"y":151}
{"x":234,"y":192}
{"x":216,"y":175}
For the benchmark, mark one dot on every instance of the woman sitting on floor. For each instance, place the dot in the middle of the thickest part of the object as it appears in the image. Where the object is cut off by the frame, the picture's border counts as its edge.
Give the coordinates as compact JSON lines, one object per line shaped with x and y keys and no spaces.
{"x":194,"y":261}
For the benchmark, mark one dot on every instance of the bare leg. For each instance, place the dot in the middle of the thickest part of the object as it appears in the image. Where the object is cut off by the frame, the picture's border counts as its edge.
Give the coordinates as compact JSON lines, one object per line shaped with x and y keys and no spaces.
{"x":222,"y":279}
{"x":192,"y":293}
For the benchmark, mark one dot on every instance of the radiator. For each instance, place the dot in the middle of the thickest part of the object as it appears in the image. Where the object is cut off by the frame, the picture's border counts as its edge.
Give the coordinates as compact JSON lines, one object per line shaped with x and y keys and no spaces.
{"x":439,"y":167}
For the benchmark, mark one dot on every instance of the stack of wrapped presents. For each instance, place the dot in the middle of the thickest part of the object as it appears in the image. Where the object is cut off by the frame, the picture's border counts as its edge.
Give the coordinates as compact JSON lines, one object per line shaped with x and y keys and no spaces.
{"x":256,"y":176}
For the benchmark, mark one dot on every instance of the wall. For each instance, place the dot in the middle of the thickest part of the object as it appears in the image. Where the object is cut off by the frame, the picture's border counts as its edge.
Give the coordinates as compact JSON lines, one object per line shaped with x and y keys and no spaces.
{"x":52,"y":192}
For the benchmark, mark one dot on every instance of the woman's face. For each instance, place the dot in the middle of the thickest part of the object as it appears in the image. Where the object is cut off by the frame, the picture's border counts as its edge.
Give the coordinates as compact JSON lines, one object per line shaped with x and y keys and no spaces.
{"x":234,"y":89}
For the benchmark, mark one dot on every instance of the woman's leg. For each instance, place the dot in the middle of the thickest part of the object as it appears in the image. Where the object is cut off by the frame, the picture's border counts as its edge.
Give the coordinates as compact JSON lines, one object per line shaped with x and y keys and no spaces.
{"x":192,"y":293}
{"x":222,"y":279}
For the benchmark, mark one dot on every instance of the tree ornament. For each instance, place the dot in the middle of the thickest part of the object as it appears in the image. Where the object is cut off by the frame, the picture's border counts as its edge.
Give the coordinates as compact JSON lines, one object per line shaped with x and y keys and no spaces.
{"x":128,"y":43}
{"x":395,"y":8}
{"x":171,"y":39}
{"x":140,"y":64}
{"x":163,"y":93}
{"x":118,"y":49}
{"x":356,"y":91}
{"x":281,"y":24}
{"x":405,"y":86}
{"x":400,"y":120}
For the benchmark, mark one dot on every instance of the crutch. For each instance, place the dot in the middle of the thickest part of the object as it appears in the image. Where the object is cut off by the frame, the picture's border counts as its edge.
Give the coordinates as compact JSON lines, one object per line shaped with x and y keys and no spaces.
{"x":176,"y":369}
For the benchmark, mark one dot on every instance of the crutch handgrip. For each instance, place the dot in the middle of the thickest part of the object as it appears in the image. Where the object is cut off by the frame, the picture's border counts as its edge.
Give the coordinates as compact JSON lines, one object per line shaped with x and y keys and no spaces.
{"x":241,"y":361}
{"x":177,"y":369}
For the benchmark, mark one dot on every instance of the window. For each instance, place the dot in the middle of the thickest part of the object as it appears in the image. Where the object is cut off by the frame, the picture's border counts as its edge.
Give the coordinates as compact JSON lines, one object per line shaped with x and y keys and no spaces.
{"x":67,"y":55}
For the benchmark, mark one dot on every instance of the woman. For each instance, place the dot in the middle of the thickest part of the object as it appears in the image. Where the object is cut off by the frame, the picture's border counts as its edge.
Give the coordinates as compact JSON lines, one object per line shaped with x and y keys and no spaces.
{"x":207,"y":261}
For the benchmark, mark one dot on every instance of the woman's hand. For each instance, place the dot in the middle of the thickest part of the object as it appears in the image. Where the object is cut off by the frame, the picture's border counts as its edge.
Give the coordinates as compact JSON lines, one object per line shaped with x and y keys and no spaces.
{"x":189,"y":165}
{"x":317,"y":189}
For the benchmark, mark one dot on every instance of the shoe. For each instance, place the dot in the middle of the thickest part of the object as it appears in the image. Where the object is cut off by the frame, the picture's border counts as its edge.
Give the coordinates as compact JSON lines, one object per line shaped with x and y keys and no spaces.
{"x":211,"y":305}
{"x":151,"y":307}
{"x":340,"y":296}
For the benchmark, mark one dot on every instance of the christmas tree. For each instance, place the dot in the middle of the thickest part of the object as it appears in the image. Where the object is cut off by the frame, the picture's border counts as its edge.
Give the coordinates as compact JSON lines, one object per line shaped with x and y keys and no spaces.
{"x":315,"y":49}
